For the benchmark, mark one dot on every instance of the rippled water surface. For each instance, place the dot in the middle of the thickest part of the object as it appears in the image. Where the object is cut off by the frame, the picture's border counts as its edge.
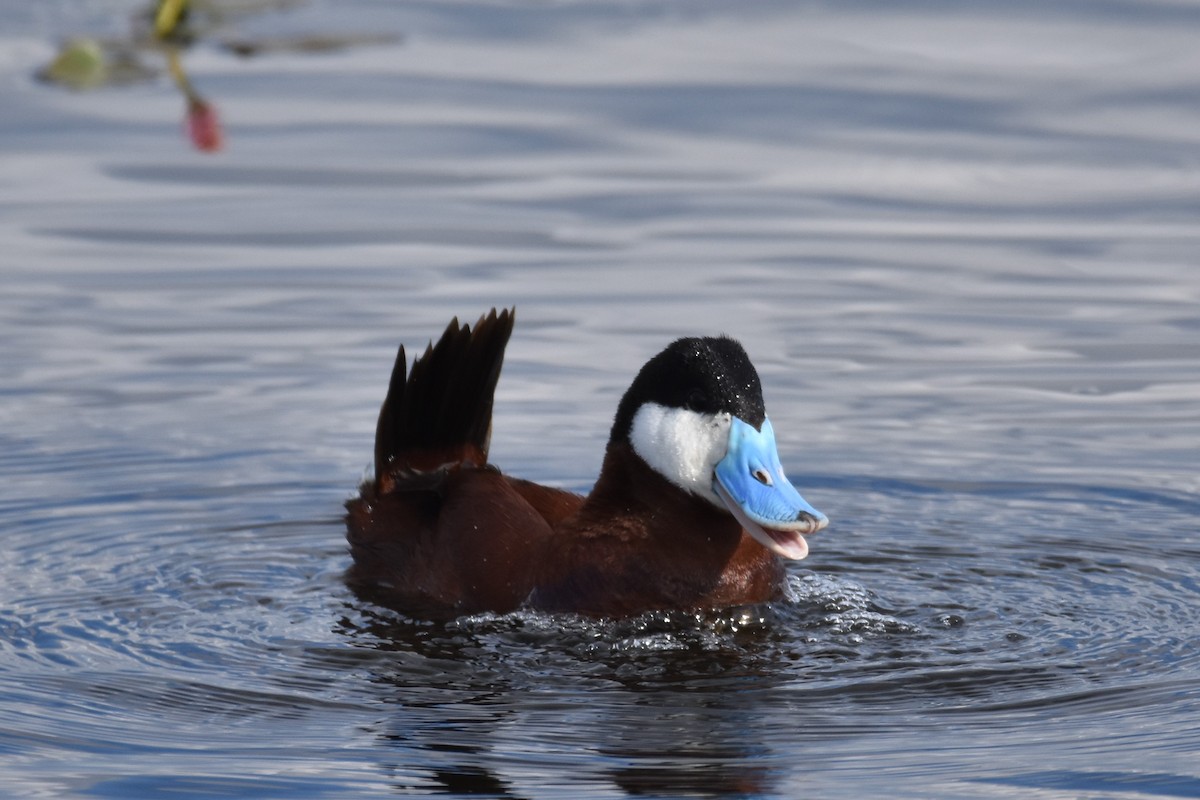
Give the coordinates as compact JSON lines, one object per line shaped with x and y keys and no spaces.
{"x":961,"y":242}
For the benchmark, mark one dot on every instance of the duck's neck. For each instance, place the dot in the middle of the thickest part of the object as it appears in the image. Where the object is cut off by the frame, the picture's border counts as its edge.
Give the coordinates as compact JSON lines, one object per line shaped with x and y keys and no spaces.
{"x":639,"y":543}
{"x":629,"y":489}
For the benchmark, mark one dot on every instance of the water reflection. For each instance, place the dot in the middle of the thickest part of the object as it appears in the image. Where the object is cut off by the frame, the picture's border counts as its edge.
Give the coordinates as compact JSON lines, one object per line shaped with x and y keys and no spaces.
{"x":648,"y":698}
{"x":665,"y":704}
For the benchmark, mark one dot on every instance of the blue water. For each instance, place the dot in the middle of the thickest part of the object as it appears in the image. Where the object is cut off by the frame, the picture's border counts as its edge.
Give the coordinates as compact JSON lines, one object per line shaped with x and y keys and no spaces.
{"x":961,"y":242}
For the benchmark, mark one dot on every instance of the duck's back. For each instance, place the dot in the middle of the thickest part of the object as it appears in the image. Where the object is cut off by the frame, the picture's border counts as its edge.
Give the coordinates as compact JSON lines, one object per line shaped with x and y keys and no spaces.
{"x":438,"y":527}
{"x":463,"y":540}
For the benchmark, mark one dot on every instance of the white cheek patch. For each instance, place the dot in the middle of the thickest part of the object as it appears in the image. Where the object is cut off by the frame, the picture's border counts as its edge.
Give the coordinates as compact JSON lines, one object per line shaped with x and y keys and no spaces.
{"x":681,"y":445}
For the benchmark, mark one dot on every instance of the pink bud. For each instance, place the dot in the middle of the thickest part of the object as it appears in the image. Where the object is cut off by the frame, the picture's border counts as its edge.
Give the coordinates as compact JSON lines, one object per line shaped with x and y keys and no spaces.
{"x":204,"y":126}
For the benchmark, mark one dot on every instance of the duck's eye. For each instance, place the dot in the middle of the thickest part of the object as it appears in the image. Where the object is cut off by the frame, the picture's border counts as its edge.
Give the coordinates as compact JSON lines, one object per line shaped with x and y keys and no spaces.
{"x":696,"y":400}
{"x":763,"y":477}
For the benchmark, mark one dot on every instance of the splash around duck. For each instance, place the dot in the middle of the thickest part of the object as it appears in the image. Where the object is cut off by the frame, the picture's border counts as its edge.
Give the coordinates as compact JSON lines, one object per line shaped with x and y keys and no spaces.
{"x":691,"y":510}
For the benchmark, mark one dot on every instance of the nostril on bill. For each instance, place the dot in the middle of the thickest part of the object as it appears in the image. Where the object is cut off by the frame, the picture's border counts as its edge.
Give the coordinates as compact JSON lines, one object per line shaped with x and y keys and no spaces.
{"x":812,"y":521}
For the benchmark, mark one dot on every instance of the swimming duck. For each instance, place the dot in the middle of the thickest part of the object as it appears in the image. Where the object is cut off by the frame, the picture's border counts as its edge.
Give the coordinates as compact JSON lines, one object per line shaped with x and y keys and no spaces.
{"x":691,"y":509}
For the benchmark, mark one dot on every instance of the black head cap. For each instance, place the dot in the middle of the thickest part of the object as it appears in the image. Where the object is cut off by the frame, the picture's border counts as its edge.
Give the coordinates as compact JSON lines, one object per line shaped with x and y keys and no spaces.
{"x":708,"y":375}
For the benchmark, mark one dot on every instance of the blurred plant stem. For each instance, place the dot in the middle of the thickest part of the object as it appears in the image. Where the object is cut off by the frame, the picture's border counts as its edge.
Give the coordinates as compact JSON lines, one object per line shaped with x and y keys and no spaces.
{"x":178,"y":74}
{"x":167,"y":17}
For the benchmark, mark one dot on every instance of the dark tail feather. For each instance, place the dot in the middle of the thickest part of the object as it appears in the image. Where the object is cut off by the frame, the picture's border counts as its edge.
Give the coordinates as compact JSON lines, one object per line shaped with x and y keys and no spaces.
{"x":442,"y":411}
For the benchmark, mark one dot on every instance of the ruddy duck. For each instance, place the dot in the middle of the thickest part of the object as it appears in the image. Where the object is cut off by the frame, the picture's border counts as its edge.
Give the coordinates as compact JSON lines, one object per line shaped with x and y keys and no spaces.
{"x":691,"y":510}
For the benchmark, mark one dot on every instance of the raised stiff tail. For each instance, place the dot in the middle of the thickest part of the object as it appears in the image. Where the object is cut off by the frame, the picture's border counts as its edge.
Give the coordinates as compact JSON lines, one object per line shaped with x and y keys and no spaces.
{"x":440,"y":413}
